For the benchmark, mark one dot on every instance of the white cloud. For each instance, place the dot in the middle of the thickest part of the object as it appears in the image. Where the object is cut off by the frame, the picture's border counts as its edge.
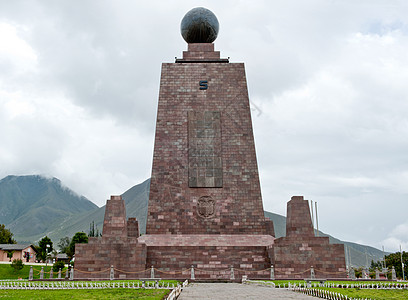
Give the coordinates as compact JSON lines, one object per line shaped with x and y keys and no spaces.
{"x":396,"y":238}
{"x":16,"y":55}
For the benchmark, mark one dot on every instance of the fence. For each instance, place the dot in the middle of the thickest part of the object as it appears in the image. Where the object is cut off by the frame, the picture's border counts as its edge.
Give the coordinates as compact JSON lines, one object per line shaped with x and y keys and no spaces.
{"x":177,"y":291}
{"x":191,"y":273}
{"x":51,"y":285}
{"x":324,"y":294}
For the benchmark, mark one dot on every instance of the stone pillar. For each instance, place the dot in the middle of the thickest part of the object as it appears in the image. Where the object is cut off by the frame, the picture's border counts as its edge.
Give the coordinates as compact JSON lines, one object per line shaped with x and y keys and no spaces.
{"x":393,"y":275}
{"x":51,"y":273}
{"x":112,"y":273}
{"x":30,"y":276}
{"x":299,"y":221}
{"x":71,"y":277}
{"x":132,"y":227}
{"x":59,"y":273}
{"x":114,"y":223}
{"x":312,"y":273}
{"x":152,"y":272}
{"x":67,"y":273}
{"x":232,"y":276}
{"x":365,"y":273}
{"x":377,"y":273}
{"x":352,"y":273}
{"x":192,"y":273}
{"x":272,"y":273}
{"x":42,"y":273}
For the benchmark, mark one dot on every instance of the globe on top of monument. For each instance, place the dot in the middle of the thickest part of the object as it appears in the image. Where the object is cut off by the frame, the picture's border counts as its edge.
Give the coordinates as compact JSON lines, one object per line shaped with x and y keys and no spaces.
{"x":199,"y":25}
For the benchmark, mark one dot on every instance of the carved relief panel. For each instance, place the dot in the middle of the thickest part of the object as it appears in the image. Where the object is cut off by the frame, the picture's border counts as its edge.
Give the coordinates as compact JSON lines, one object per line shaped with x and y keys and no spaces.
{"x":204,"y":149}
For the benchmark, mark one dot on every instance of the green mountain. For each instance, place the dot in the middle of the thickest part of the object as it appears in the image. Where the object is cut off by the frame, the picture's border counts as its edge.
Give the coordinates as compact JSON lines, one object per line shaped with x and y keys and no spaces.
{"x":34,"y":206}
{"x":31,"y":205}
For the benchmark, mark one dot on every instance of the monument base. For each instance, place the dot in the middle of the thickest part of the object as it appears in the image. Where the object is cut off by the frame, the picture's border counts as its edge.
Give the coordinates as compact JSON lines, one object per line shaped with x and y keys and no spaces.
{"x":296,"y":254}
{"x":211,"y":256}
{"x":122,"y":254}
{"x":95,"y":259}
{"x":294,"y":258}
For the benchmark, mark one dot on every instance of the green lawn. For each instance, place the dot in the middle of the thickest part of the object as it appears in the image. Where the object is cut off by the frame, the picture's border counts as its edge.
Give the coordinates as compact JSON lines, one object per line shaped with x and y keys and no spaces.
{"x":374,"y":294}
{"x":151,"y":294}
{"x":386,"y":294}
{"x":7,"y":272}
{"x":350,"y":282}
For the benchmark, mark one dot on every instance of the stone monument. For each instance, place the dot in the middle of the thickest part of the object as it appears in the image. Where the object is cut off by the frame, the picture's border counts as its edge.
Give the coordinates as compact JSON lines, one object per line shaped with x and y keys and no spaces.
{"x":118,"y":246}
{"x":301,"y":249}
{"x":205,"y":193}
{"x":205,"y":207}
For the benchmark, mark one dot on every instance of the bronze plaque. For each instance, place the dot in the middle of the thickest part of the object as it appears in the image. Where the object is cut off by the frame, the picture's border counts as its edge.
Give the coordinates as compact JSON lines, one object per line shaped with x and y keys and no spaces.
{"x":204,"y":149}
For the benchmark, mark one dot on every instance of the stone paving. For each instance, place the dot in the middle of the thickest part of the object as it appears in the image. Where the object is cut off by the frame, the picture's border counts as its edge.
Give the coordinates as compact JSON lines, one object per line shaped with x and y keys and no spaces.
{"x":237,"y":291}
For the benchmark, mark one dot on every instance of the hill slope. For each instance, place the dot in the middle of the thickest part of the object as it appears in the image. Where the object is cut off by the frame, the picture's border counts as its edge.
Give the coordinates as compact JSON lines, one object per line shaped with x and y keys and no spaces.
{"x":30,"y":205}
{"x":136,"y":199}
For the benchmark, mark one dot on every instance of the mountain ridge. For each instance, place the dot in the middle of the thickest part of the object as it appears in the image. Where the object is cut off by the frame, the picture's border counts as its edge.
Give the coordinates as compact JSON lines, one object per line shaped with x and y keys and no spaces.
{"x":29,"y":203}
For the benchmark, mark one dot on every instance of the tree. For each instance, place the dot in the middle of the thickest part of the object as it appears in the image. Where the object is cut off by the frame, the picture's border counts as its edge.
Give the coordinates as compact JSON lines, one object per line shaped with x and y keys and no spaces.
{"x":63,"y":244}
{"x":43,"y":250}
{"x":10,"y":254}
{"x":17,"y":264}
{"x":78,"y":238}
{"x":58,"y":265}
{"x":394,"y":260}
{"x":375,"y":265}
{"x":6,"y":237}
{"x":93,"y":230}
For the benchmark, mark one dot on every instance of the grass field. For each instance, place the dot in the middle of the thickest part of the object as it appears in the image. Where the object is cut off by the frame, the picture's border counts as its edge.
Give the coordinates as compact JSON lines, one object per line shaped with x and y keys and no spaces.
{"x":386,"y":294}
{"x":350,"y":282}
{"x":7,"y":272}
{"x":374,"y":294}
{"x":151,"y":294}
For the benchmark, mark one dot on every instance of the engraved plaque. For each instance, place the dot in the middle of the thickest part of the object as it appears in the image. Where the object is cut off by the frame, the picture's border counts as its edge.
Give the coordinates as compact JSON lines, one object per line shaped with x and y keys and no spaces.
{"x":206,"y":207}
{"x":204,"y":149}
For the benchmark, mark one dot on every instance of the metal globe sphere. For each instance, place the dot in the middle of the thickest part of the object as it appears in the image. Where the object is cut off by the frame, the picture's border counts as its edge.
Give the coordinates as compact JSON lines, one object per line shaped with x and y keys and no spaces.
{"x":199,"y":25}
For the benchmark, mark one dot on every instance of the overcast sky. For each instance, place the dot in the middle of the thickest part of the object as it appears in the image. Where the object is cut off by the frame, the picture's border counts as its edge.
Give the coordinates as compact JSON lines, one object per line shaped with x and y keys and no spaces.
{"x":328,"y":84}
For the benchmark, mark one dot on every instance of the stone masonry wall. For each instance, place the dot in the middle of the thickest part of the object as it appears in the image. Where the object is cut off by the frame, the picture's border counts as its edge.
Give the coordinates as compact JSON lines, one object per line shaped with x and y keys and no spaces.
{"x":124,"y":254}
{"x":210,"y":262}
{"x":233,"y":205}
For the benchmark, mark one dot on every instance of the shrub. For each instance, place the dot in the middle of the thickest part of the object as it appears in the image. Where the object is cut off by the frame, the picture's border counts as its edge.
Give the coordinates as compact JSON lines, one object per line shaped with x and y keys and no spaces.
{"x":17,"y":265}
{"x":58,"y":265}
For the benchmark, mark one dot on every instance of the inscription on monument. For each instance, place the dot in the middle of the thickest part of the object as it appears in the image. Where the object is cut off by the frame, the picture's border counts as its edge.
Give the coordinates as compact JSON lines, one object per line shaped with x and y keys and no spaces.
{"x":206,"y":207}
{"x":204,"y":149}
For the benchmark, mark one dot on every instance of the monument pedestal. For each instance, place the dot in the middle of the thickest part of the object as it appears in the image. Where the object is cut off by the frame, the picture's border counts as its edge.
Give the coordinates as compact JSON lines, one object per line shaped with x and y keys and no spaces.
{"x":118,"y":247}
{"x":300,"y":250}
{"x":211,"y":255}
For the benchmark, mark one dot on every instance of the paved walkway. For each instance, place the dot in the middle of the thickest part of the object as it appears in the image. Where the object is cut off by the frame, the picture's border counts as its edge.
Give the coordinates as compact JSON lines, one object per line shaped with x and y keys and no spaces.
{"x":237,"y":291}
